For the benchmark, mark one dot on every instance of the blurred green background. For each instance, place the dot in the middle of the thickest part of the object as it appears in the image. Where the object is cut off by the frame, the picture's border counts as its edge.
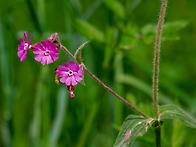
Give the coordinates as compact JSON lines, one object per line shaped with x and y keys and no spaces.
{"x":36,"y":112}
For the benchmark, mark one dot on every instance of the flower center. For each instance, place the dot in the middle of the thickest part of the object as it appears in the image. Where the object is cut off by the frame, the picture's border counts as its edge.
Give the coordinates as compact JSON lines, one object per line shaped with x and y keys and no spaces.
{"x":70,"y":73}
{"x":25,"y":46}
{"x":47,"y":52}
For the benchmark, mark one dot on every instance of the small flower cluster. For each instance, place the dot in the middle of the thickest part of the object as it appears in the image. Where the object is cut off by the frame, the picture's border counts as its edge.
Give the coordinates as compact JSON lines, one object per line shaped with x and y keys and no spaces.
{"x":47,"y":52}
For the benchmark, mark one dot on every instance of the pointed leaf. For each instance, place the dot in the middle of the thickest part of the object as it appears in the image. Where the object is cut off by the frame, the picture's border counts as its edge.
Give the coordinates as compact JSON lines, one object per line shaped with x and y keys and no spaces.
{"x":172,"y":111}
{"x":78,"y":53}
{"x":133,"y":127}
{"x":170,"y":30}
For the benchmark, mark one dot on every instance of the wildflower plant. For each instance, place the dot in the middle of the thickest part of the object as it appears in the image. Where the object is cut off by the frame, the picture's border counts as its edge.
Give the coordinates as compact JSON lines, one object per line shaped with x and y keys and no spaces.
{"x":72,"y":72}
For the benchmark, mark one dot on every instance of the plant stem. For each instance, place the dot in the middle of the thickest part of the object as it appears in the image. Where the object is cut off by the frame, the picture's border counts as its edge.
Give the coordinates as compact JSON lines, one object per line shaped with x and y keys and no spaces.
{"x":158,"y":136}
{"x":67,"y":51}
{"x":115,"y":94}
{"x":102,"y":84}
{"x":156,"y":59}
{"x":156,"y":70}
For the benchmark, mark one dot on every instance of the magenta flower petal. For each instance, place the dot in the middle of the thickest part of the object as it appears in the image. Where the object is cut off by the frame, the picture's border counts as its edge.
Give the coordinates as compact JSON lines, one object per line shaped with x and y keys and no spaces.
{"x":30,"y":39}
{"x":43,"y":60}
{"x":63,"y":68}
{"x":70,"y":73}
{"x":35,"y":51}
{"x":47,"y":52}
{"x":45,"y":44}
{"x":20,"y":47}
{"x":81,"y":72}
{"x":64,"y":78}
{"x":65,"y":64}
{"x":54,"y":46}
{"x":68,"y":81}
{"x":21,"y":40}
{"x":71,"y":81}
{"x":21,"y":53}
{"x":25,"y":35}
{"x":71,"y":63}
{"x":62,"y":73}
{"x":49,"y":59}
{"x":75,"y":67}
{"x":23,"y":57}
{"x":55,"y":57}
{"x":38,"y":58}
{"x":23,"y":47}
{"x":78,"y":78}
{"x":39,"y":47}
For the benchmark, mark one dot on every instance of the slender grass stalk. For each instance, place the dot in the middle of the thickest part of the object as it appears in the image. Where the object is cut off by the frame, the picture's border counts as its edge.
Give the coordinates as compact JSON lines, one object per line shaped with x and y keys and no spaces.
{"x":57,"y":125}
{"x":87,"y":127}
{"x":156,"y":70}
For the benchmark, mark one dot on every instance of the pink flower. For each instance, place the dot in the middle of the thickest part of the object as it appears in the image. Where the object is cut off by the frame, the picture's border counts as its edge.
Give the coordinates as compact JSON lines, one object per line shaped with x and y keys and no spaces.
{"x":71,"y":73}
{"x":23,"y":47}
{"x":47,"y":52}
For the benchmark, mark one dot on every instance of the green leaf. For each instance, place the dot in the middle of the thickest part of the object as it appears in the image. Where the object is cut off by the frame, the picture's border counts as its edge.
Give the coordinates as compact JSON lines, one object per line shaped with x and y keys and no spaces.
{"x":78,"y":53}
{"x":89,"y":31}
{"x":179,"y":131}
{"x":133,"y":127}
{"x":130,"y":37}
{"x":172,"y":111}
{"x":169,"y":31}
{"x":116,"y":7}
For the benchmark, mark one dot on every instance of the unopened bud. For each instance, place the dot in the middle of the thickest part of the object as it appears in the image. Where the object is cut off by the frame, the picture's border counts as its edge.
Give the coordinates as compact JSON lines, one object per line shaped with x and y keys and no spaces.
{"x":53,"y":37}
{"x":33,"y":46}
{"x":72,"y":95}
{"x":71,"y":90}
{"x":56,"y":77}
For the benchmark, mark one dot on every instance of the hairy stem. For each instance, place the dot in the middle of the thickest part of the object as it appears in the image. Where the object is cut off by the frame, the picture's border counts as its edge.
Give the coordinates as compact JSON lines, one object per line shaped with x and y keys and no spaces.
{"x":102,"y":84}
{"x":115,"y":94}
{"x":156,"y":59}
{"x":156,"y":70}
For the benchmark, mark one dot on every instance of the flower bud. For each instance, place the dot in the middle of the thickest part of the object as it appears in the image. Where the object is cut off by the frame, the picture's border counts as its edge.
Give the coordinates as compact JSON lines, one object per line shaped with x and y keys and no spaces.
{"x":33,"y":46}
{"x":71,"y":90}
{"x":53,"y":37}
{"x":56,"y":78}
